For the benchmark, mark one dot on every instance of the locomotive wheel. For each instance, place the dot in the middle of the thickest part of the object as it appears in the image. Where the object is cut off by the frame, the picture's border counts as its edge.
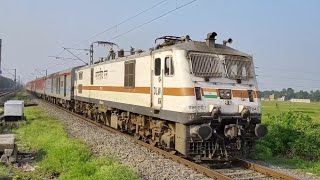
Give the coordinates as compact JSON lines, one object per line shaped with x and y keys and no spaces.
{"x":173,"y":152}
{"x":137,"y":136}
{"x":153,"y":142}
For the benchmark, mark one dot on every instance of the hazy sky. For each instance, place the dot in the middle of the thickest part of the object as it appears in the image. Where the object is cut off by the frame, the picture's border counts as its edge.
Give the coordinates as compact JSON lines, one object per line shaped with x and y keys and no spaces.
{"x":283,"y":36}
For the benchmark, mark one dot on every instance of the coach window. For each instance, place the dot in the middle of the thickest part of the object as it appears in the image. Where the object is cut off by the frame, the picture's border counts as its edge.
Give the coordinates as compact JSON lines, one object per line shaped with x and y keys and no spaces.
{"x":52,"y":85}
{"x":129,"y":73}
{"x":57,"y":85}
{"x":157,"y":67}
{"x":168,"y":66}
{"x":92,"y":72}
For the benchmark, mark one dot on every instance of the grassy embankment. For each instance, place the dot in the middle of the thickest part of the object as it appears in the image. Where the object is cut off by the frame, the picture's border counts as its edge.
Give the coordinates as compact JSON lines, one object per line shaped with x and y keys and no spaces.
{"x":59,"y":154}
{"x":293,"y":139}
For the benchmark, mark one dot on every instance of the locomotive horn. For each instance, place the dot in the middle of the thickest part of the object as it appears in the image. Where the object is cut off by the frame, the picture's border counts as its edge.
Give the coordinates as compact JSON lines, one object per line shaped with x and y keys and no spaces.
{"x":225,"y":42}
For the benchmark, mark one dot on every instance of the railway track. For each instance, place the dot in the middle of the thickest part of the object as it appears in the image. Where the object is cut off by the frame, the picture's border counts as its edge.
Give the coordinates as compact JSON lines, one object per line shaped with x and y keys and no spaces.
{"x":239,"y":169}
{"x":4,"y":93}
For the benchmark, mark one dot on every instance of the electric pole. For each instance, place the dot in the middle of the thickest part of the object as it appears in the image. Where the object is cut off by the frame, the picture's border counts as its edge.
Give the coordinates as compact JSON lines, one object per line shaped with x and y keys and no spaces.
{"x":0,"y":55}
{"x":15,"y":79}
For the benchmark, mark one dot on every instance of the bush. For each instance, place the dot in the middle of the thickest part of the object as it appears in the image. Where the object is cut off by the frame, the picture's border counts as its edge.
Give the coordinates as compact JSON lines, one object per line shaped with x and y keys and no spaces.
{"x":292,"y":135}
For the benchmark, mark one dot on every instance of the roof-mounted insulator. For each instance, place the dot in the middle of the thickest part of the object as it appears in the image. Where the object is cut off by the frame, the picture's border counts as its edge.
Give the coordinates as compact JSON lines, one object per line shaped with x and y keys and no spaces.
{"x":225,"y":42}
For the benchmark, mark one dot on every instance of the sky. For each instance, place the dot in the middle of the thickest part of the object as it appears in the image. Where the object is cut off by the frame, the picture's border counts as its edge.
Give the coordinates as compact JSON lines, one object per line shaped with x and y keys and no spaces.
{"x":283,"y":36}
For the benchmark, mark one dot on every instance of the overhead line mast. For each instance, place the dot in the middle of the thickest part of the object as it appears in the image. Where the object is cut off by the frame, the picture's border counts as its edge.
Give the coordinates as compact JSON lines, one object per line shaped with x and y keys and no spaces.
{"x":0,"y":55}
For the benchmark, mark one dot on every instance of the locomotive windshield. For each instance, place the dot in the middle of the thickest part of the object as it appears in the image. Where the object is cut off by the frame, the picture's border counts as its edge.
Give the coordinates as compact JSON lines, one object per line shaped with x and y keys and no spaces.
{"x":210,"y":65}
{"x":238,"y":67}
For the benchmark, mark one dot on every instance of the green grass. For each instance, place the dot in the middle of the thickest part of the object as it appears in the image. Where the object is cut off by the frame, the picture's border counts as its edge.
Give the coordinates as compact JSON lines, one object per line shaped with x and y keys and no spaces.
{"x":276,"y":107}
{"x":22,"y":95}
{"x":4,"y":171}
{"x":265,"y":154}
{"x":58,"y":153}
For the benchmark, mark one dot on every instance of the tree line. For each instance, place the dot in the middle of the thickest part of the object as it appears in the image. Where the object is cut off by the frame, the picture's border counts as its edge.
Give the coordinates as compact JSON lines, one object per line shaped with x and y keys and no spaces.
{"x":289,"y":93}
{"x":6,"y":83}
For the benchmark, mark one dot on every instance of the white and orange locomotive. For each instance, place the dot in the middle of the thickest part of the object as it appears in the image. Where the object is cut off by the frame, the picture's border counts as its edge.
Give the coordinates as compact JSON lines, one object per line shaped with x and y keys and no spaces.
{"x":197,"y":98}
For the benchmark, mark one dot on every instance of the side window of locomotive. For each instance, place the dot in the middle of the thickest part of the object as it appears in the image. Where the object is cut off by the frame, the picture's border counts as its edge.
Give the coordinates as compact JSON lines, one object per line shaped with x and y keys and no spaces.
{"x":168,"y":66}
{"x":91,"y":79}
{"x":129,"y":73}
{"x":157,"y":67}
{"x":80,"y":88}
{"x":80,"y":75}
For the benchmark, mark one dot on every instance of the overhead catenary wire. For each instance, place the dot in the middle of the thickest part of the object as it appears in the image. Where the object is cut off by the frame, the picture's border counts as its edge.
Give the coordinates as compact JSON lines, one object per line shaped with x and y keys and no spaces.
{"x":114,"y":26}
{"x":158,"y":17}
{"x":122,"y":22}
{"x":167,"y":13}
{"x":145,"y":23}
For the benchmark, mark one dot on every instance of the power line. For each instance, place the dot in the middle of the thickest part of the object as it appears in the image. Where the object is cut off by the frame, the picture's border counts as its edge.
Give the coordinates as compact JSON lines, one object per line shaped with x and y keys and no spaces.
{"x":122,"y":22}
{"x":63,"y":58}
{"x":177,"y":7}
{"x":167,"y":13}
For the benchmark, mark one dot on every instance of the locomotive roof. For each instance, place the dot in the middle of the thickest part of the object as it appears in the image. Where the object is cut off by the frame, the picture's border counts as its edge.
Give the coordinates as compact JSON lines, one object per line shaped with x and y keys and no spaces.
{"x":195,"y":46}
{"x":199,"y":46}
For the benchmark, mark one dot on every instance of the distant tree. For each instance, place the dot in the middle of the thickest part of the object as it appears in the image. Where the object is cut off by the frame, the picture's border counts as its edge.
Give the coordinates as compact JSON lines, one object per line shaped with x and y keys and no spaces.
{"x":289,"y":93}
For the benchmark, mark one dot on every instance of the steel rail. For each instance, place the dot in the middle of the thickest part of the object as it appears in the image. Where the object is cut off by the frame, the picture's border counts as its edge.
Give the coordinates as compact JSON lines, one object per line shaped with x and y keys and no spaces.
{"x":5,"y":93}
{"x":264,"y":170}
{"x":212,"y":173}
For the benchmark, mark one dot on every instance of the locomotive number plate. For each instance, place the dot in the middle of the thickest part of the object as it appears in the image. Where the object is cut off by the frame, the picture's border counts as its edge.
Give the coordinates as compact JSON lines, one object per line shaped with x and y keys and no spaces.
{"x":253,"y":109}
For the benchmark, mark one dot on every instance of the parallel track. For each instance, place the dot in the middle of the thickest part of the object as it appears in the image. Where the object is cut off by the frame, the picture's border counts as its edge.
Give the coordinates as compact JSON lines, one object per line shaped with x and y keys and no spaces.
{"x":239,"y":170}
{"x":3,"y":95}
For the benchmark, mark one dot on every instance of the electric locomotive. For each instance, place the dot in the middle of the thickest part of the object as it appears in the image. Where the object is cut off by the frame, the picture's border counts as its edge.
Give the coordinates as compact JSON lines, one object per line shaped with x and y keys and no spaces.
{"x":198,"y":98}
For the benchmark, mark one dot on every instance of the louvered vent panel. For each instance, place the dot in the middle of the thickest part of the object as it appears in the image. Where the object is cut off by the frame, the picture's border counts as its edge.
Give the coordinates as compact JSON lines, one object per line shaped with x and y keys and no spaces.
{"x":205,"y":65}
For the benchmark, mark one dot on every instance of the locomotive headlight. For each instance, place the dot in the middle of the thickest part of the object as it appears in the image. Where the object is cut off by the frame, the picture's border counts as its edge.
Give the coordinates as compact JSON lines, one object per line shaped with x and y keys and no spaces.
{"x":225,"y":93}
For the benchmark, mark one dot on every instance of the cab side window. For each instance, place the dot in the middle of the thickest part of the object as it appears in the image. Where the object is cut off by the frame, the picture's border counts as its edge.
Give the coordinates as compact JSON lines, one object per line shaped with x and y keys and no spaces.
{"x":157,"y":67}
{"x":129,"y":74}
{"x":80,"y":75}
{"x":168,"y":66}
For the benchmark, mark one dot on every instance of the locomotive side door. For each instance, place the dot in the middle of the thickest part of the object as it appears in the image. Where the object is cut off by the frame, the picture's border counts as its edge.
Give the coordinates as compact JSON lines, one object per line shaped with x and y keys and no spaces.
{"x":157,"y":81}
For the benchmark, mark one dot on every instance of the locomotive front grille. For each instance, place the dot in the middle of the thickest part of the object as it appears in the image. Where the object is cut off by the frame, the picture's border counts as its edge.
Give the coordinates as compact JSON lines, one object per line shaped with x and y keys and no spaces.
{"x":205,"y":65}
